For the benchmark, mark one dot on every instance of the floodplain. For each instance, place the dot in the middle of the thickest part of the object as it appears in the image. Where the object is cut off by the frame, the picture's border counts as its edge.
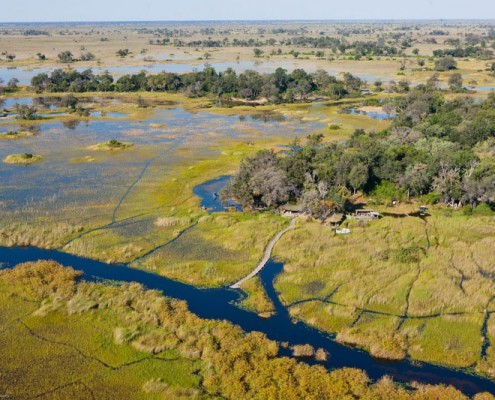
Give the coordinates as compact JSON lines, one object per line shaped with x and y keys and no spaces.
{"x":116,"y":180}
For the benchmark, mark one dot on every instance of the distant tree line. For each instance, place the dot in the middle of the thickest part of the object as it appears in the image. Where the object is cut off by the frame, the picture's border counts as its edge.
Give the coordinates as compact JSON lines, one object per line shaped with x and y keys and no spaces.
{"x":277,"y":87}
{"x":464,"y":52}
{"x":371,"y":48}
{"x":435,"y":149}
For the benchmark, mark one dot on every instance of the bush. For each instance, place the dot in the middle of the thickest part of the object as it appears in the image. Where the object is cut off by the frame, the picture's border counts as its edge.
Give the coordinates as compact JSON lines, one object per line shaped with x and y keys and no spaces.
{"x":407,"y":254}
{"x":483,"y":209}
{"x":303,"y":350}
{"x":386,"y":192}
{"x":445,"y":64}
{"x":431,"y":198}
{"x":467,"y":210}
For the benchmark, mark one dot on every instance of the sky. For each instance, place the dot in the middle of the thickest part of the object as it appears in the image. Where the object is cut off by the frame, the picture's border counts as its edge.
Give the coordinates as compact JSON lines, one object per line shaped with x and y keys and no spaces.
{"x":203,"y":10}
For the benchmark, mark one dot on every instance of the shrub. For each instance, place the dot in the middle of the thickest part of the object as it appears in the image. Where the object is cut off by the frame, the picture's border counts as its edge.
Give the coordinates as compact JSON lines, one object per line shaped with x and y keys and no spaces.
{"x":41,"y":279}
{"x":483,"y":209}
{"x":386,"y":192}
{"x":303,"y":350}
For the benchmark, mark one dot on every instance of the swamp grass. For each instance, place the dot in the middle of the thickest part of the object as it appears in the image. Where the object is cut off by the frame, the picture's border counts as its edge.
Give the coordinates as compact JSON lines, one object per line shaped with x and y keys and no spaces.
{"x":111,"y":145}
{"x":23,"y":159}
{"x":397,"y":286}
{"x":66,"y":339}
{"x":219,"y":250}
{"x":13,"y":135}
{"x":256,"y":299}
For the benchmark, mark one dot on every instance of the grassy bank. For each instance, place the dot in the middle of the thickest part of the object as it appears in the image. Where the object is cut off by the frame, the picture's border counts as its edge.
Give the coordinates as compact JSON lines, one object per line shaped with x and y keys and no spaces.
{"x":62,"y":339}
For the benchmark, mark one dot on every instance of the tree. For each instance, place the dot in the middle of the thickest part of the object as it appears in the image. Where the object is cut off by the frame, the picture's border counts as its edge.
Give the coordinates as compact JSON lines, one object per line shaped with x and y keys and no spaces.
{"x":260,"y":182}
{"x":403,"y":86}
{"x":416,"y":180}
{"x":433,"y":80}
{"x":257,"y":52}
{"x":105,"y":82}
{"x":13,"y":82}
{"x":69,"y":101}
{"x":87,"y":56}
{"x":448,"y":183}
{"x":389,"y":108}
{"x":478,"y":183}
{"x":123,"y":53}
{"x":445,"y":64}
{"x":271,"y":186}
{"x":25,"y":112}
{"x":455,"y":82}
{"x":65,"y":57}
{"x":378,"y":84}
{"x":358,"y":177}
{"x":314,"y":203}
{"x":40,"y":82}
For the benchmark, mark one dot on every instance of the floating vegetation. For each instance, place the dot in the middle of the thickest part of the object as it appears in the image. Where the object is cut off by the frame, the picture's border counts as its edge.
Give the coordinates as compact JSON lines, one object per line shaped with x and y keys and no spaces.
{"x":111,"y":145}
{"x":85,"y":159}
{"x":303,"y":350}
{"x":24,"y":159}
{"x":16,"y":135}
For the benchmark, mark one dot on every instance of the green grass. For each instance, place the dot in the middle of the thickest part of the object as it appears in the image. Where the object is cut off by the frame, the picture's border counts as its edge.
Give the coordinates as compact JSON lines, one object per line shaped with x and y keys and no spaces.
{"x":11,"y":135}
{"x":376,"y":333}
{"x":111,"y":145}
{"x":219,"y":250}
{"x":256,"y":299}
{"x":326,"y":317}
{"x":450,"y":340}
{"x":23,"y":159}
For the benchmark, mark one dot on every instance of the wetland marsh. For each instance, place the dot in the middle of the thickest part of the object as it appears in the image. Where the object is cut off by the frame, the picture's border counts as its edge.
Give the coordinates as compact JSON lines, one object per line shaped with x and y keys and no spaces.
{"x":128,"y":177}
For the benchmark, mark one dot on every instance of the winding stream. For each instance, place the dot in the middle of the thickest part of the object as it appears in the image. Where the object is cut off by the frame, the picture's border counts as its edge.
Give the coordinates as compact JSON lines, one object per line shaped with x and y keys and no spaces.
{"x":221,"y":304}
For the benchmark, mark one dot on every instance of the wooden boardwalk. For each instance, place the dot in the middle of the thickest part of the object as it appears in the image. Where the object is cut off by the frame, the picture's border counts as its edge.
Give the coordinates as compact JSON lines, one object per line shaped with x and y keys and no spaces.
{"x":266,"y":256}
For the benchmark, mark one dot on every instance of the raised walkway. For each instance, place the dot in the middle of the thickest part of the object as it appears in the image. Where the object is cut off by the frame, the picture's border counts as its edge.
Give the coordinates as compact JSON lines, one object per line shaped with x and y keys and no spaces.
{"x":266,"y":256}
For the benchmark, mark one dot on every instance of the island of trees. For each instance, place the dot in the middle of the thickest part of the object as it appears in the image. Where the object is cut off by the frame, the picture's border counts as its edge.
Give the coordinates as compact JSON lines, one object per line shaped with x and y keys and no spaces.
{"x":435,"y":149}
{"x":277,"y":87}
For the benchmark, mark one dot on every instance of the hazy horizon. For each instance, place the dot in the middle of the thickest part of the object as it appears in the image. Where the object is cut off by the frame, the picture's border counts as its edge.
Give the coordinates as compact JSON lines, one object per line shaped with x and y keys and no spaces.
{"x":56,"y":11}
{"x":251,"y":20}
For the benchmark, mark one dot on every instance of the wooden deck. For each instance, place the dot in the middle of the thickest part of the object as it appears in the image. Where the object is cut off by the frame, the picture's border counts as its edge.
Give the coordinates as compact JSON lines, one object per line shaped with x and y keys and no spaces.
{"x":266,"y":256}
